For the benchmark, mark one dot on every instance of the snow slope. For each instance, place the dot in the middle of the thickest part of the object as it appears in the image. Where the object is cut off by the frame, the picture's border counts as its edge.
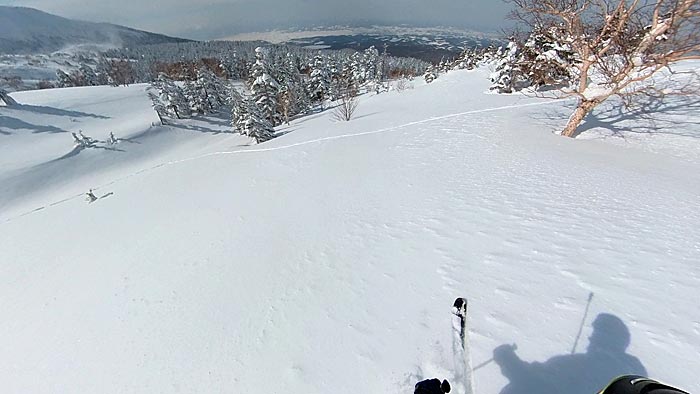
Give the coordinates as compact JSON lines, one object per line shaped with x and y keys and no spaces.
{"x":26,"y":30}
{"x":327,"y":260}
{"x":37,"y":155}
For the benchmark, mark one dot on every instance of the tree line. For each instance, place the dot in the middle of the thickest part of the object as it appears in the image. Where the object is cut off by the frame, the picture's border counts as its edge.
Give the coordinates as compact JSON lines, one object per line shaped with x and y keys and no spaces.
{"x":276,"y":88}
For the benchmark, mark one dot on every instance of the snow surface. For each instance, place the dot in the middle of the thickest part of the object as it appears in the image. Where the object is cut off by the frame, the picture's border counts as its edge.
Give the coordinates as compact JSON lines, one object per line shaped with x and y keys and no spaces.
{"x":327,"y":260}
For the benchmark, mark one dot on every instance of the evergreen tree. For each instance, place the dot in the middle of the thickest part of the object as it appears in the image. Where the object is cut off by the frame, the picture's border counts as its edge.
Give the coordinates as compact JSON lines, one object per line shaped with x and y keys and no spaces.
{"x":489,"y":53}
{"x":547,"y":57}
{"x":210,"y":89}
{"x":238,"y":111}
{"x":467,"y":60}
{"x":88,"y":75}
{"x":381,"y":71}
{"x":508,"y":74}
{"x":291,"y":98}
{"x":254,"y":123}
{"x":430,"y":74}
{"x":264,"y":88}
{"x":157,"y":105}
{"x":319,"y":79}
{"x":196,"y":103}
{"x":102,"y":72}
{"x":168,"y":99}
{"x":64,"y":80}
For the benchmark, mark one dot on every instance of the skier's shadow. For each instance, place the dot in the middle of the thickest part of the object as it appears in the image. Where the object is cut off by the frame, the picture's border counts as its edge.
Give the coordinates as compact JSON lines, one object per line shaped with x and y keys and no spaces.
{"x":578,"y":373}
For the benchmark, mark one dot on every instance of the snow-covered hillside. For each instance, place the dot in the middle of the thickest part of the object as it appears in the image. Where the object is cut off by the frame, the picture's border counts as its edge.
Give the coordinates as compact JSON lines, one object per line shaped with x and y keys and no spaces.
{"x":327,"y":259}
{"x":28,"y":31}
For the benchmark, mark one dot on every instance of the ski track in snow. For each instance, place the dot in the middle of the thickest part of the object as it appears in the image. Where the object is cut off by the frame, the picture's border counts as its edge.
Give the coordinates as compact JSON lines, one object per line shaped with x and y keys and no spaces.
{"x":282,"y":147}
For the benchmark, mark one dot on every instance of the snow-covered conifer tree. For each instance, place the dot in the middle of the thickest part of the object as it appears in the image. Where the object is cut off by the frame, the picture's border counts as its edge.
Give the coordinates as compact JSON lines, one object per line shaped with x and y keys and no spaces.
{"x":254,"y":123}
{"x":380,"y":77}
{"x":238,"y":110}
{"x":292,"y":98}
{"x":88,"y":75}
{"x":507,"y":76}
{"x":168,"y":99}
{"x":319,"y":79}
{"x":102,"y":72}
{"x":197,"y":103}
{"x":547,"y":57}
{"x":467,"y":60}
{"x":157,"y":105}
{"x":264,"y":88}
{"x":210,"y":89}
{"x":64,"y":80}
{"x":430,"y":74}
{"x":489,"y":53}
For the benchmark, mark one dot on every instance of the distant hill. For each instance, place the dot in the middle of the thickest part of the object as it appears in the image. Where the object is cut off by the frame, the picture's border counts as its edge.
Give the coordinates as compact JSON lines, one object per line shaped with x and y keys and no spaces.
{"x":426,"y":43}
{"x":27,"y":30}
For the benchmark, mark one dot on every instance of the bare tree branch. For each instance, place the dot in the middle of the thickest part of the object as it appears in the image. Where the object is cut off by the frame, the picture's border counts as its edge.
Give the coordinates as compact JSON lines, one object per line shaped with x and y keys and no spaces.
{"x":620,"y":44}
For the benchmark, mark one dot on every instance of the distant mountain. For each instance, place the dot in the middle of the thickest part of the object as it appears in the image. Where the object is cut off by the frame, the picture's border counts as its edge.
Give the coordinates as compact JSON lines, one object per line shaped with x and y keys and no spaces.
{"x":427,"y":43}
{"x":27,"y":30}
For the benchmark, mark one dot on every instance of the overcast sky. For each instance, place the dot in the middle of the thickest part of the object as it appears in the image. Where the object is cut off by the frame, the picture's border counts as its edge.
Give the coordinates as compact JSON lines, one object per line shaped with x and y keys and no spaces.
{"x":209,"y":19}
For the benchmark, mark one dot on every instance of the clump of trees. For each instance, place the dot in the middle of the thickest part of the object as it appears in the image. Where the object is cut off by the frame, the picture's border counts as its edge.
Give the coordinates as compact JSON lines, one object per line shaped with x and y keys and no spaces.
{"x":113,"y":72}
{"x":544,"y":58}
{"x":280,"y":82}
{"x":278,"y":87}
{"x":469,"y":59}
{"x":168,"y":99}
{"x":234,"y":60}
{"x":205,"y":94}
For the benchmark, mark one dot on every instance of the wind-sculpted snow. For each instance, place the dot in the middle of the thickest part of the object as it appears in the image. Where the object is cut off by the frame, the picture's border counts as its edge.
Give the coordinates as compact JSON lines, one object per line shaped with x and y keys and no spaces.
{"x":327,"y":259}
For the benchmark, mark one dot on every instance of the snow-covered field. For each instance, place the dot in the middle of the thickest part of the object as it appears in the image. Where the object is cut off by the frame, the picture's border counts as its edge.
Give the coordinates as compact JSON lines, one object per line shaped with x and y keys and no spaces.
{"x":326,"y":260}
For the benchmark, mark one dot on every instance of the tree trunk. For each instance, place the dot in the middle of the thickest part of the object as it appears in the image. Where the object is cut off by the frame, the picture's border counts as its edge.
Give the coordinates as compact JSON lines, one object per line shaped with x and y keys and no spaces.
{"x":583,"y":108}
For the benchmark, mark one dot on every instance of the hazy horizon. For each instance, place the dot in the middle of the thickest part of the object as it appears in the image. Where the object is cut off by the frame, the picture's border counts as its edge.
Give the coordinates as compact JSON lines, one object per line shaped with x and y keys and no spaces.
{"x":211,"y":19}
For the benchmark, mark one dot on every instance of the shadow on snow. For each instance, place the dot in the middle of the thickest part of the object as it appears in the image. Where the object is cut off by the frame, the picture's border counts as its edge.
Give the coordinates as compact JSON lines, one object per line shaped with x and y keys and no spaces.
{"x":577,"y":373}
{"x":39,"y":109}
{"x":9,"y":123}
{"x":648,"y":115}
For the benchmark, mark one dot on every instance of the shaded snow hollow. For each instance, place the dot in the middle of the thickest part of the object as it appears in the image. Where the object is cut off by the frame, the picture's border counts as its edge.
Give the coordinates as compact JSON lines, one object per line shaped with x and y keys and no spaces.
{"x":326,"y":260}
